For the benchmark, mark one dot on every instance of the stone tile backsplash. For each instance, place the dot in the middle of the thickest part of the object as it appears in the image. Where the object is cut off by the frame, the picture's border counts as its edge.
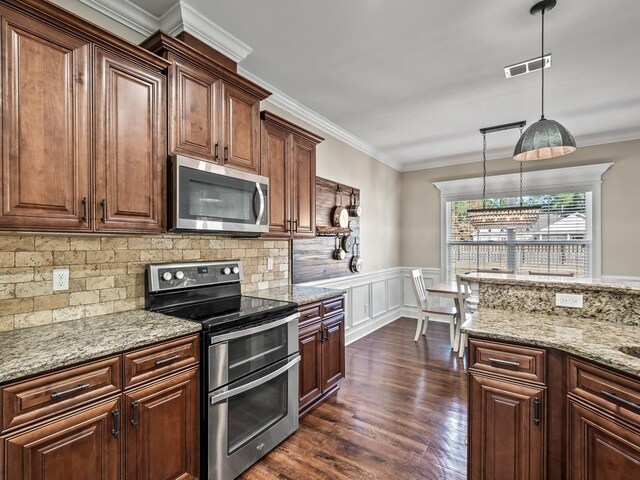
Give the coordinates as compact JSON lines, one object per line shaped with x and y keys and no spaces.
{"x":106,"y":274}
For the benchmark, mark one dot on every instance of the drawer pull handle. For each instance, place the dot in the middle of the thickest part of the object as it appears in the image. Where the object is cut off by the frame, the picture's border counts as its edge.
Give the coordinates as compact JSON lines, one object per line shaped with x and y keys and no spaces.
{"x":620,"y":401}
{"x":79,"y":388}
{"x":504,"y":363}
{"x":536,"y":411}
{"x":167,"y":360}
{"x":134,"y":420}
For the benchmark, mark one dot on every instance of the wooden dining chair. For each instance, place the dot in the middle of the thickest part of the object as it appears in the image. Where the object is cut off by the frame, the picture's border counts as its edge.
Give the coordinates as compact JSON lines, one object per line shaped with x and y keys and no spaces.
{"x":467,"y":304}
{"x":424,"y":309}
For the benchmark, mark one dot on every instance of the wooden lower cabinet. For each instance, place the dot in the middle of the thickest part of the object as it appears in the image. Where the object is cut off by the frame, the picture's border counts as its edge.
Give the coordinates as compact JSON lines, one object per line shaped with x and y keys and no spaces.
{"x":506,"y":430}
{"x":601,"y":448}
{"x":582,"y":423}
{"x":321,"y":345}
{"x":82,"y":446}
{"x":333,"y":351}
{"x":161,"y":423}
{"x":310,"y":346}
{"x":147,"y":432}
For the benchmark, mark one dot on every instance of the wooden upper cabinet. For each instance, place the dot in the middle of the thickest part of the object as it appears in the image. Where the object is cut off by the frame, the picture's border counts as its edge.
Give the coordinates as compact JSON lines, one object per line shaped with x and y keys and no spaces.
{"x":194,"y":111}
{"x":276,"y":154}
{"x":46,"y":136}
{"x":85,"y":445}
{"x":304,"y":187}
{"x":130,"y":145}
{"x":241,"y":127}
{"x":507,"y":429}
{"x":288,"y":158}
{"x":162,"y":429}
{"x":214,"y":112}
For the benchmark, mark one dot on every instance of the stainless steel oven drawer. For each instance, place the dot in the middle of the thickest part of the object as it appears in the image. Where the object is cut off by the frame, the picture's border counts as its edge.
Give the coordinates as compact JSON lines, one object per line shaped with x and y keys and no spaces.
{"x":233,"y":355}
{"x":248,"y":418}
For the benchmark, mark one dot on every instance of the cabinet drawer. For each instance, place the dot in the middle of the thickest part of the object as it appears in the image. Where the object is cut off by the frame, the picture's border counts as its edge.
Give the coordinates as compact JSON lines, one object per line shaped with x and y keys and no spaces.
{"x":41,"y":397}
{"x":333,"y":305}
{"x":513,"y":361}
{"x":310,"y":313}
{"x":616,"y":393}
{"x":153,"y":362}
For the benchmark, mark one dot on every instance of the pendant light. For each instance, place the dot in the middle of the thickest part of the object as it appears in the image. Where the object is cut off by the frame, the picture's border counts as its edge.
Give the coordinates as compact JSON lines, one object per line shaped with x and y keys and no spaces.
{"x":545,"y":138}
{"x":501,"y":217}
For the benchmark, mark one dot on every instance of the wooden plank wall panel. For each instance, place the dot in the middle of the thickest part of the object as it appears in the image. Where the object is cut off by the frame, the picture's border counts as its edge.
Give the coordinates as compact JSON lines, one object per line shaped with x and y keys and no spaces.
{"x":312,"y":259}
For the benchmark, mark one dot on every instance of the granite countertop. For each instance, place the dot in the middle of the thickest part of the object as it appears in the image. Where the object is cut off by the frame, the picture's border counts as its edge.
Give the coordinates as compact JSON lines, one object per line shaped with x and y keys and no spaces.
{"x":598,"y":341}
{"x":298,"y":294}
{"x":592,"y":284}
{"x":36,"y":350}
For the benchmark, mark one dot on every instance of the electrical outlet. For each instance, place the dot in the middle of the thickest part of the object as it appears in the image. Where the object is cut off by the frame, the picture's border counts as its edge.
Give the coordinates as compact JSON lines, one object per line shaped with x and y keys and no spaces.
{"x":60,"y":279}
{"x":569,"y":300}
{"x":269,"y":263}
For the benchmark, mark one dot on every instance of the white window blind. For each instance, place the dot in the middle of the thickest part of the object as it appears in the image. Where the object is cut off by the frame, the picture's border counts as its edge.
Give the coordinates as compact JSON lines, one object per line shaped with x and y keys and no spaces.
{"x":558,"y":243}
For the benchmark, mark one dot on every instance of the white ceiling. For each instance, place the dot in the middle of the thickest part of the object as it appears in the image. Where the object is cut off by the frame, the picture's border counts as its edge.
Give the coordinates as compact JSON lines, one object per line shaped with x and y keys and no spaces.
{"x":416,"y":79}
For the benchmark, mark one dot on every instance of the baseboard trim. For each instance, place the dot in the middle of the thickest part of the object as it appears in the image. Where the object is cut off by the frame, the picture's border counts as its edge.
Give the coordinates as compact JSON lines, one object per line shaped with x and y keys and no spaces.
{"x":362,"y":330}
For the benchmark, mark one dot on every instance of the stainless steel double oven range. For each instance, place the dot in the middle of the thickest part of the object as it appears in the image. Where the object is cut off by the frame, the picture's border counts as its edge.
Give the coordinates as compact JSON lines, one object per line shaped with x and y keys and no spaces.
{"x":249,"y":360}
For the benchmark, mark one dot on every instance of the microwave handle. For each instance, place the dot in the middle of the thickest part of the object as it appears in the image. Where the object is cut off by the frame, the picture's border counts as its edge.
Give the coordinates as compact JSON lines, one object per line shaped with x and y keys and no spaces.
{"x":219,"y":397}
{"x":261,"y":211}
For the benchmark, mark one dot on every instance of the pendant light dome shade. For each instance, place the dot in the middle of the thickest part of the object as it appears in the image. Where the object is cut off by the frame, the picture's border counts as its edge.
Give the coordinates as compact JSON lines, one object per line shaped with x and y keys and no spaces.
{"x":544,"y":139}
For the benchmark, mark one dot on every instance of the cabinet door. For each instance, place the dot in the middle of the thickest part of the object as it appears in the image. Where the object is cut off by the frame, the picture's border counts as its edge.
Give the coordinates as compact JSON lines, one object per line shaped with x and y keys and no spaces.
{"x":310,"y":347}
{"x":599,"y":447}
{"x":82,"y":446}
{"x":241,"y":129}
{"x":333,"y":351}
{"x":46,"y":112}
{"x":303,"y":168}
{"x":130,"y":145}
{"x":162,"y":440}
{"x":194,"y":108}
{"x":506,"y":430}
{"x":275,"y":161}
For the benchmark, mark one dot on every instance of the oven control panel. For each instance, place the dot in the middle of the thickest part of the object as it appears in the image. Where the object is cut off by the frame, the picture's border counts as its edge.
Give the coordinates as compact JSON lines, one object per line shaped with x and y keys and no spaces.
{"x":172,"y":276}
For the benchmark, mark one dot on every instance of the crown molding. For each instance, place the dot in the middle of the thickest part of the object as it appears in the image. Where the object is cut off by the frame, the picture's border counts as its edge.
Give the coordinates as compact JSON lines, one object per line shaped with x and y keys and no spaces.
{"x":126,"y":13}
{"x":181,"y":17}
{"x":295,"y":108}
{"x":507,"y":152}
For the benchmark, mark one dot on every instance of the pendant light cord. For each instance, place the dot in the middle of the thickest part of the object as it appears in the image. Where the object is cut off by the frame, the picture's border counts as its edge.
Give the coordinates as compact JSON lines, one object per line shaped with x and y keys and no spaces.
{"x":521,"y":170}
{"x":542,"y":59}
{"x":484,"y":170}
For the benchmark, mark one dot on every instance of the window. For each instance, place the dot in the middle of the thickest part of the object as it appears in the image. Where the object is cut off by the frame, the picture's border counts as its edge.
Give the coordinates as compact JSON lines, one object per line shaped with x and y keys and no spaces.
{"x":559,"y":243}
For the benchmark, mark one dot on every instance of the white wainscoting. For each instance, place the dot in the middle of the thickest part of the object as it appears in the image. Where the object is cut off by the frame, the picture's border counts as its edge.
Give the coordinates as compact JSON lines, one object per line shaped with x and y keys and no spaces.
{"x":377,"y":298}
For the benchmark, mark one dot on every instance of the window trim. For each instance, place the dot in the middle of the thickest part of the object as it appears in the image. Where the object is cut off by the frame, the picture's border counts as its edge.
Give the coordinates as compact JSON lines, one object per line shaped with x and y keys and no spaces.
{"x":584,"y":178}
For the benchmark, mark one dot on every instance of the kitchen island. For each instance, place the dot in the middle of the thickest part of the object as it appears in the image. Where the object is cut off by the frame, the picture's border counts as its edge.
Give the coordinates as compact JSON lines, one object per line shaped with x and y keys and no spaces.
{"x":551,"y":388}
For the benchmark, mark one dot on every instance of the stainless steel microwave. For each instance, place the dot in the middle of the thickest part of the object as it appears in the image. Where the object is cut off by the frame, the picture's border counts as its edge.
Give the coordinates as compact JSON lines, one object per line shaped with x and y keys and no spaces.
{"x":207,"y":197}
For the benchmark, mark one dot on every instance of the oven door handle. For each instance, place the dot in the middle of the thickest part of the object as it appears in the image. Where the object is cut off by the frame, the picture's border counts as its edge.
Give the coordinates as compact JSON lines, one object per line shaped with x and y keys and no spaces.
{"x":254,"y":330}
{"x":219,"y":397}
{"x":261,"y":196}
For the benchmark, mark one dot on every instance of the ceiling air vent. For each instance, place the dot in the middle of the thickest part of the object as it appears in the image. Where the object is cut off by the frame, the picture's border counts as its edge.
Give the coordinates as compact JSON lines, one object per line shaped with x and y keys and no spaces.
{"x":529,"y":66}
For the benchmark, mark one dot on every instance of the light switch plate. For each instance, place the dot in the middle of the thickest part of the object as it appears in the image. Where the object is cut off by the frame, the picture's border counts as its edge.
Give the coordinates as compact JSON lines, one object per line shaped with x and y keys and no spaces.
{"x":569,"y":300}
{"x":60,"y":279}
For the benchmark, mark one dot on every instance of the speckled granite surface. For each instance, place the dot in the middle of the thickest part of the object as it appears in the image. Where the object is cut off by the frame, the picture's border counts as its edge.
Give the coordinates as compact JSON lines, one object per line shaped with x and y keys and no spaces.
{"x":590,"y":339}
{"x":35,"y":350}
{"x":606,"y":305}
{"x":591,"y":284}
{"x":298,"y":294}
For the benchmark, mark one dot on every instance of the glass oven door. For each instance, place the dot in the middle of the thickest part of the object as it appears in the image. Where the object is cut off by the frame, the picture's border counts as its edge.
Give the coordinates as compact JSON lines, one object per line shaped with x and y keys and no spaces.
{"x":248,"y":418}
{"x":233,"y":355}
{"x":212,"y":197}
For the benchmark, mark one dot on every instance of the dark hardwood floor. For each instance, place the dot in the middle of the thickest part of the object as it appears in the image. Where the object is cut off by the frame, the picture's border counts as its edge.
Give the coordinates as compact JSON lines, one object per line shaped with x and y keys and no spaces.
{"x":400,"y":414}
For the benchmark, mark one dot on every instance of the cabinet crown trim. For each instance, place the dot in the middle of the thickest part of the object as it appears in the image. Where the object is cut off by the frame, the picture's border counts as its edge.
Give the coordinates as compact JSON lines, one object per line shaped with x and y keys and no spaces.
{"x":267,"y":116}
